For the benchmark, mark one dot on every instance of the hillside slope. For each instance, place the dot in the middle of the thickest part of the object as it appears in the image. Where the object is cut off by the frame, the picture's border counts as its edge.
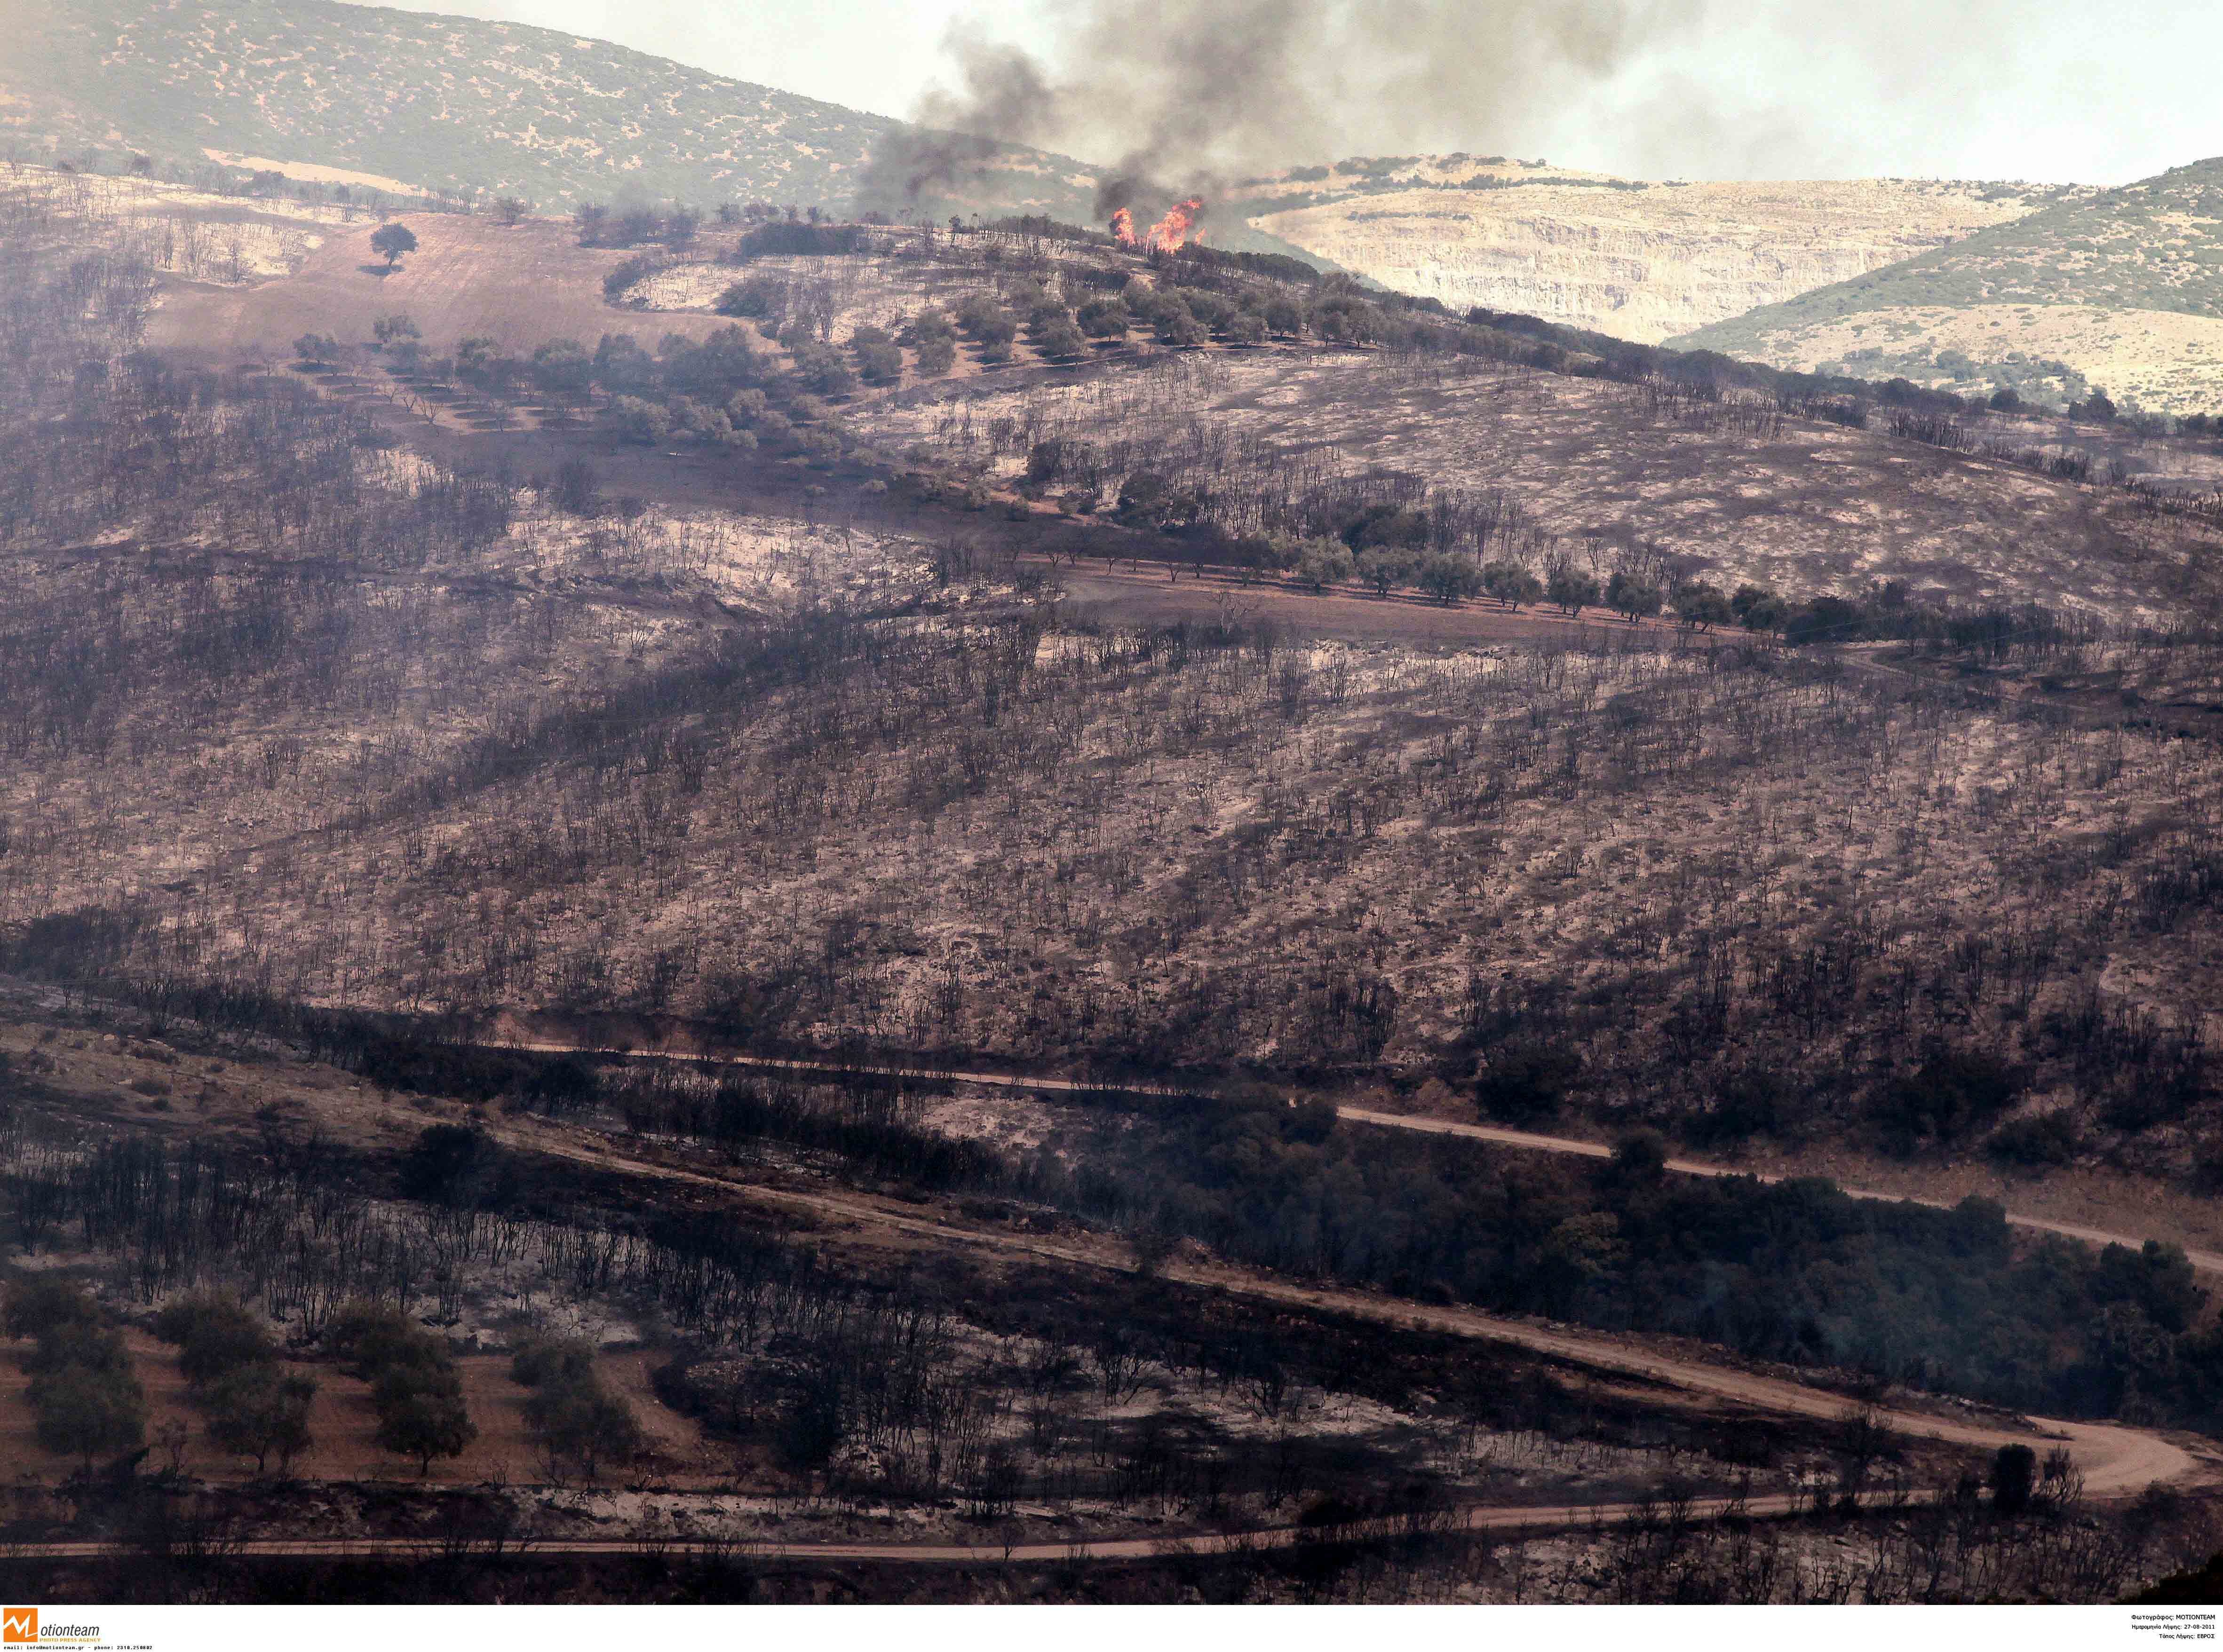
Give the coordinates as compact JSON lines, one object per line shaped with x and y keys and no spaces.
{"x":2123,"y":289}
{"x":1640,"y":260}
{"x":445,"y":103}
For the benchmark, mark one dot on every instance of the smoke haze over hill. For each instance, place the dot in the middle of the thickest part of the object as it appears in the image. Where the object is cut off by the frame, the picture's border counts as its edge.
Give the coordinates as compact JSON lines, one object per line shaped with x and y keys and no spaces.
{"x":1768,"y":88}
{"x":1198,"y":90}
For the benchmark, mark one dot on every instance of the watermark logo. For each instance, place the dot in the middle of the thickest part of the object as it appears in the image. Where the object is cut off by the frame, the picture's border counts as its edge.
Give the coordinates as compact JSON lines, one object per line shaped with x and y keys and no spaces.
{"x":19,"y":1626}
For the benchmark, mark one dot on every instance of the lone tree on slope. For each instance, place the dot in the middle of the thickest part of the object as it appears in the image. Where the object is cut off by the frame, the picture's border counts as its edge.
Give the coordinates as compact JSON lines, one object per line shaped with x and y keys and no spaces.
{"x":391,"y":241}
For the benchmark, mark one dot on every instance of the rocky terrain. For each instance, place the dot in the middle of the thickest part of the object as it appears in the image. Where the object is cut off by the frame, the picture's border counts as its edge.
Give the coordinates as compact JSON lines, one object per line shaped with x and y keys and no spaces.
{"x":1640,"y":260}
{"x":2123,"y":289}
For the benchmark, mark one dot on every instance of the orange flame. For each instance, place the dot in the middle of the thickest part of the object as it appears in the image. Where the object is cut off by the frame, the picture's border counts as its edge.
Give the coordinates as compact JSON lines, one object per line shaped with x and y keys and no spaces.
{"x":1122,"y":225}
{"x":1172,"y":229}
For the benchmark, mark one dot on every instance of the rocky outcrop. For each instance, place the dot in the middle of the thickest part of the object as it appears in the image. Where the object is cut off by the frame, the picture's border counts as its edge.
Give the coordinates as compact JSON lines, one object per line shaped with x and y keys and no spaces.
{"x":1644,"y":263}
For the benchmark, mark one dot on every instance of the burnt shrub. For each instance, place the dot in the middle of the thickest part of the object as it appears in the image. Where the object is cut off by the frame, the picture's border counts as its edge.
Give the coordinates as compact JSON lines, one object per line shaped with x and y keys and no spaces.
{"x":2014,"y":1478}
{"x":455,"y":1165}
{"x":1525,"y":1082}
{"x":2042,"y":1138}
{"x":1754,"y":1102}
{"x":1951,"y":1093}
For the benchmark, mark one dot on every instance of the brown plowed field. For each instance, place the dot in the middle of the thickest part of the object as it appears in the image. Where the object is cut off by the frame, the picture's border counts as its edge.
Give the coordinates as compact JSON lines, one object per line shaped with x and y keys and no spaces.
{"x":468,"y":277}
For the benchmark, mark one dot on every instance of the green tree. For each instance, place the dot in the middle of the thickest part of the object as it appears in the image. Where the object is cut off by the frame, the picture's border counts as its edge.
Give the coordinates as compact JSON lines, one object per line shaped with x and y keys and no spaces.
{"x":936,"y":356}
{"x":391,"y":241}
{"x":1580,"y":1251}
{"x":631,"y":419}
{"x":755,"y":298}
{"x":1632,"y":598}
{"x":1952,"y":1092}
{"x":214,"y":1335}
{"x":1702,"y":606}
{"x":1825,"y":619}
{"x":578,"y":1422}
{"x":256,"y":1410}
{"x":1449,"y":579}
{"x":820,"y":370}
{"x":1105,"y":318}
{"x":1061,"y":341}
{"x":1177,"y":325}
{"x":550,"y":1360}
{"x":85,"y":1413}
{"x":563,"y":366}
{"x":2013,"y":1477}
{"x":86,"y":1400}
{"x":1324,"y":562}
{"x":1758,"y":608}
{"x":622,"y":367}
{"x":1145,"y":499}
{"x":1511,"y":584}
{"x":878,"y":359}
{"x":1525,"y":1081}
{"x":1244,"y":327}
{"x":475,"y":356}
{"x":1385,"y":568}
{"x":1640,"y":1160}
{"x":421,"y":1414}
{"x":76,"y":1345}
{"x":368,"y":1336}
{"x":1570,"y":590}
{"x":42,"y":1303}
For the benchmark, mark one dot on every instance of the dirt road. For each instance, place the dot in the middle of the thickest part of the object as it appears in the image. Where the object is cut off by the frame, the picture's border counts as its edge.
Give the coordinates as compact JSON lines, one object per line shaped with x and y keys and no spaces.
{"x":2202,"y":1261}
{"x":1472,"y":1517}
{"x":2113,"y":1459}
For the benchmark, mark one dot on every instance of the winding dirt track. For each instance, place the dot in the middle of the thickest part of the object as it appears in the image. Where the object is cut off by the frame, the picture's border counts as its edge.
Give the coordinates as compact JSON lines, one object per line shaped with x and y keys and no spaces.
{"x":2114,"y":1459}
{"x":2202,"y":1261}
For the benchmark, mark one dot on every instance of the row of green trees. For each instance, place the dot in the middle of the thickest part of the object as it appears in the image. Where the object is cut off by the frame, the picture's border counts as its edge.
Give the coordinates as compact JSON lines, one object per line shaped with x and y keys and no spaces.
{"x":1324,"y":560}
{"x":89,"y":1404}
{"x":578,"y":1424}
{"x":85,"y":1400}
{"x":253,"y":1405}
{"x":414,"y":1386}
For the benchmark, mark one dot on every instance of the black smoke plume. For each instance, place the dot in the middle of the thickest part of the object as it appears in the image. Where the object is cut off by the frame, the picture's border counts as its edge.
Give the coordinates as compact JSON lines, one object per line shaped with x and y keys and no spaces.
{"x":1184,"y":93}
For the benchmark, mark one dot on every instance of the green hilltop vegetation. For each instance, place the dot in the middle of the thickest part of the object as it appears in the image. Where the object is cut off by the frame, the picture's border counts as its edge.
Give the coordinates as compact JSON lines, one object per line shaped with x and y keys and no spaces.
{"x":450,"y":106}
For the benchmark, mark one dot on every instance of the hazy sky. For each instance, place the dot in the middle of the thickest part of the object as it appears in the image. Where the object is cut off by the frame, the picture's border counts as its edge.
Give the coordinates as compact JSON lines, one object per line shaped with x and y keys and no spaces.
{"x":2056,"y":90}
